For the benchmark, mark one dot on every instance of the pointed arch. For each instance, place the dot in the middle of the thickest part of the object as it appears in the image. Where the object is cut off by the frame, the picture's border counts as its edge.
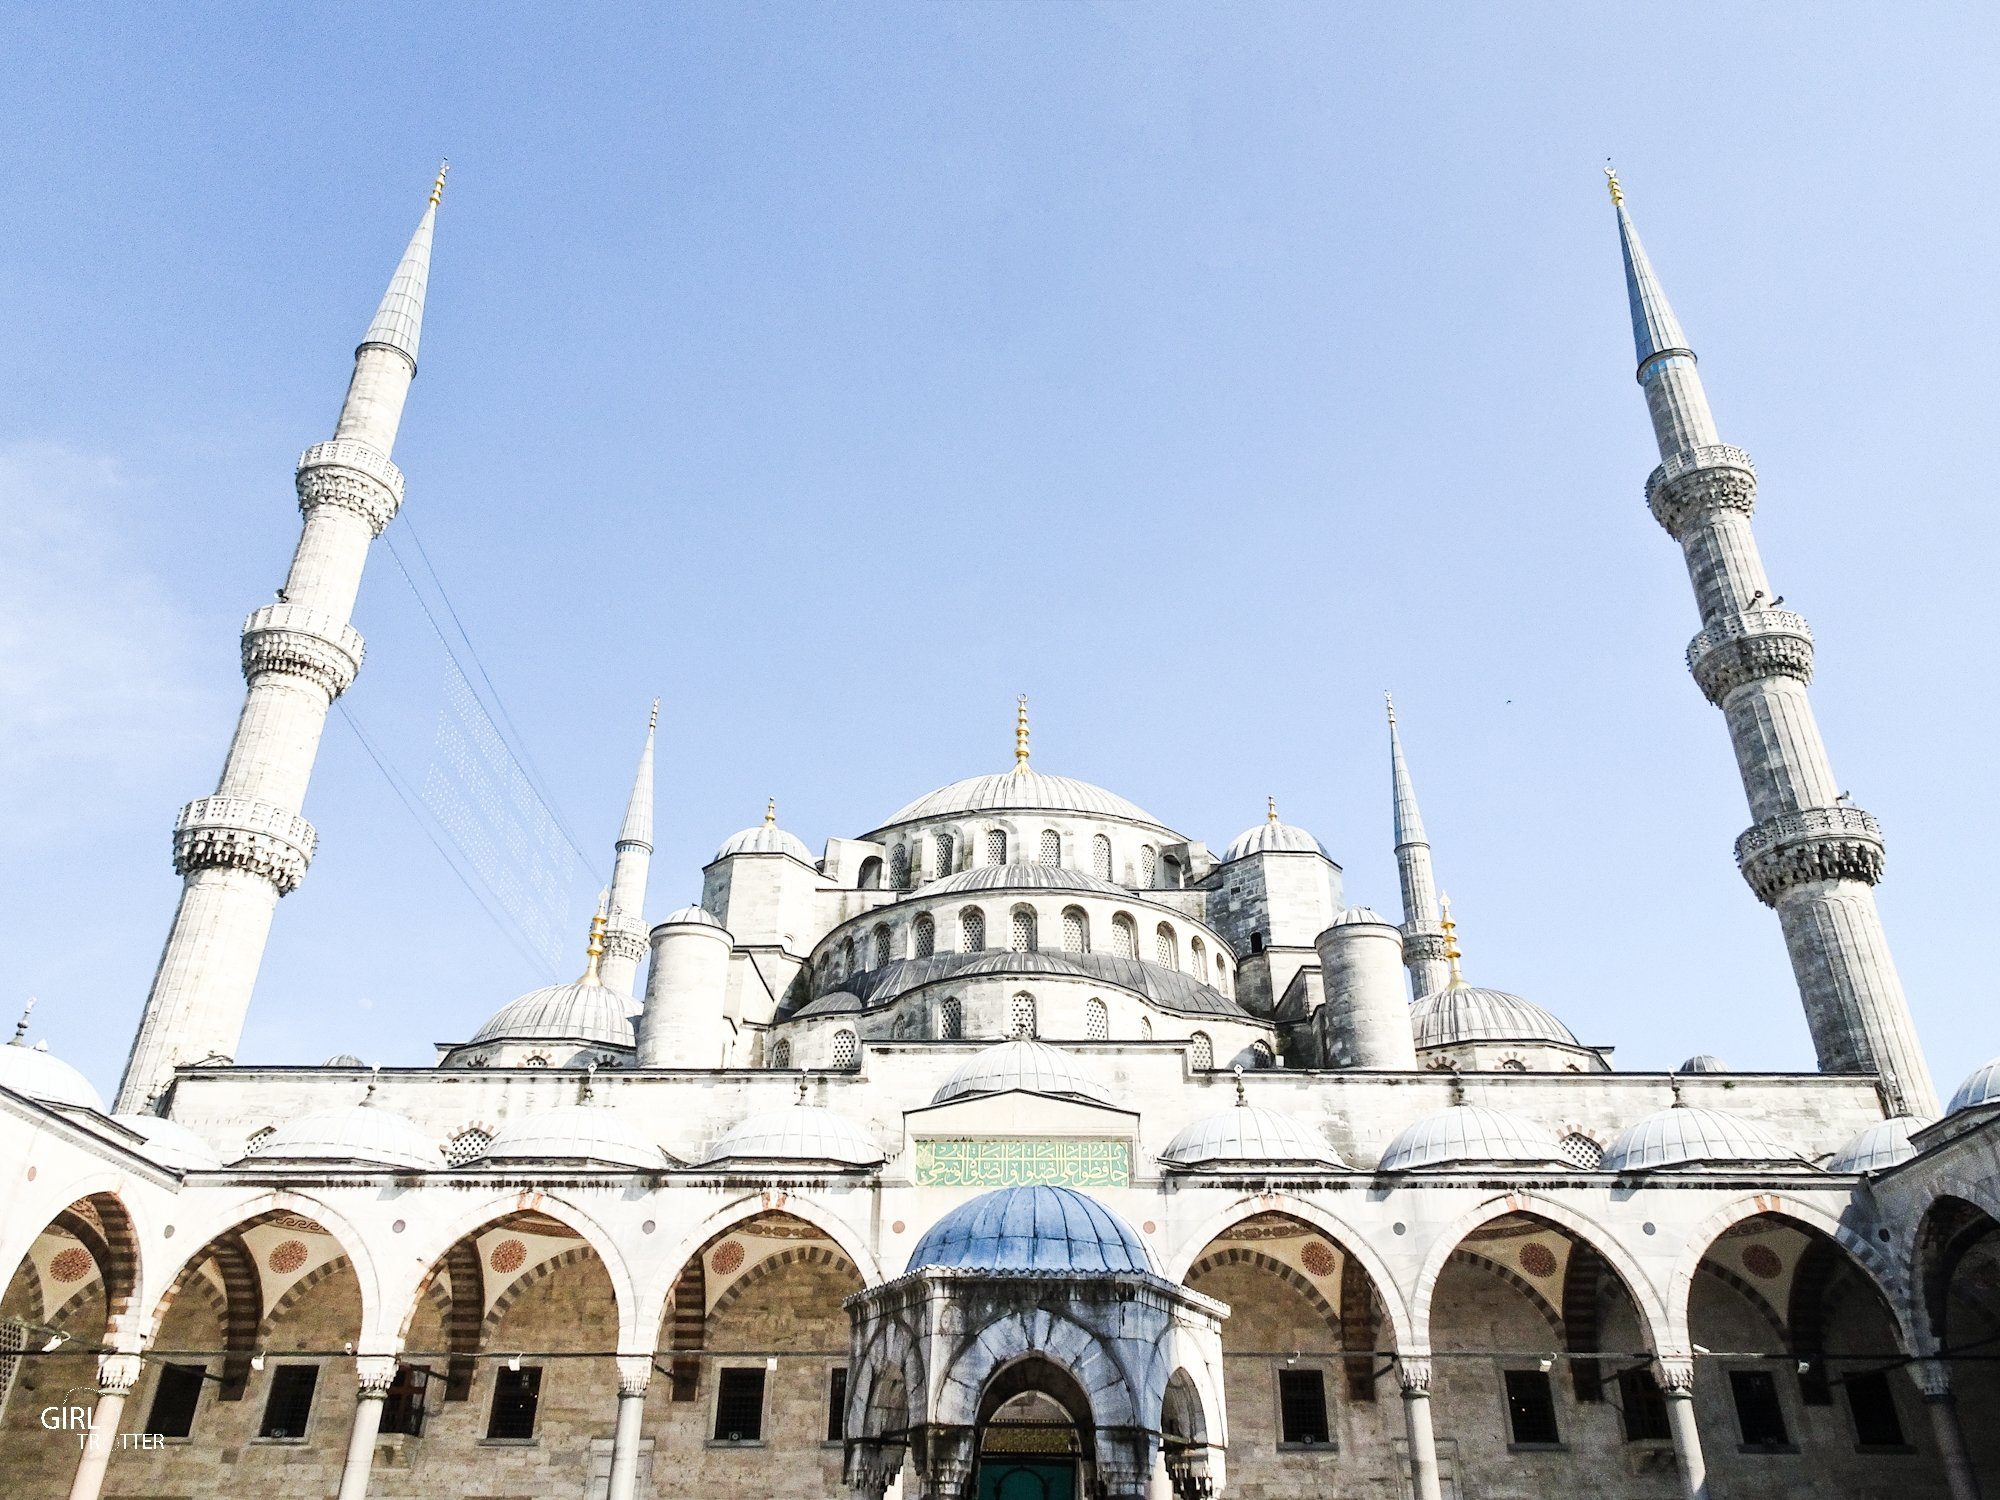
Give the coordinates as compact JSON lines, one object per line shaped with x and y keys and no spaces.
{"x":1067,"y":1345}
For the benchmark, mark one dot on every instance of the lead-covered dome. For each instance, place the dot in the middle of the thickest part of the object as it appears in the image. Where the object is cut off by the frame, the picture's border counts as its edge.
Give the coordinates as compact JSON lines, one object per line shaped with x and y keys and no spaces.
{"x":1703,"y":1062}
{"x":1982,"y":1086}
{"x":39,"y":1074}
{"x":805,"y":1132}
{"x":1884,"y":1144}
{"x":1249,"y":1135}
{"x":169,"y":1142}
{"x":1471,"y":1135}
{"x":1021,"y":790}
{"x":690,"y":916}
{"x":1272,"y":837}
{"x":1038,"y":1228}
{"x":765,"y":838}
{"x":581,"y":1011}
{"x":574,"y":1132}
{"x":1030,"y":1066}
{"x":1688,"y":1135}
{"x":1467,"y":1013}
{"x":359,"y":1133}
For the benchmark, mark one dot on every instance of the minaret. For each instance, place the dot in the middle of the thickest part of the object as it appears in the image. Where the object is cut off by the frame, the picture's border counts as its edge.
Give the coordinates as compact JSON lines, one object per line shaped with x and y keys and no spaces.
{"x":1808,"y":853}
{"x":625,"y":935}
{"x":241,"y":849}
{"x":1423,"y":938}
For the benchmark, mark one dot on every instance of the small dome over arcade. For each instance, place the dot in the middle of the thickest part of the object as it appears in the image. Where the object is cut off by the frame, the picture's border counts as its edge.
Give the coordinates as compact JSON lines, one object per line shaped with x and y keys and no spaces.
{"x":1248,"y":1135}
{"x":1272,"y":837}
{"x":169,"y":1142}
{"x":39,"y":1074}
{"x":360,"y":1133}
{"x":1982,"y":1086}
{"x":1688,"y":1135}
{"x":1884,"y":1144}
{"x":1030,"y":1066}
{"x":803,"y":1133}
{"x":1471,"y":1135}
{"x":766,"y":838}
{"x":1038,"y":1228}
{"x":584,"y":1011}
{"x":580,"y":1132}
{"x":1703,"y":1062}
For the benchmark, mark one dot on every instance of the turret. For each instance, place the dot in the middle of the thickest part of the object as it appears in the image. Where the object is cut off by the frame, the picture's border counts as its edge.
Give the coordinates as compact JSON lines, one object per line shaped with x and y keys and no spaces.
{"x":1423,"y":938}
{"x":1808,"y":853}
{"x":685,"y":1024}
{"x":625,"y":937}
{"x":241,"y":849}
{"x":1365,"y":1022}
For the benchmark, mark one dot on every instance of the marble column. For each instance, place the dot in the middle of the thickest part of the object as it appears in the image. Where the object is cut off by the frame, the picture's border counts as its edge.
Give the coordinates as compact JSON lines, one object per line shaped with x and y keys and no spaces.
{"x":374,"y":1373}
{"x":1934,"y":1380}
{"x":1676,"y":1376}
{"x":635,"y":1377}
{"x":116,"y":1375}
{"x":1415,"y":1376}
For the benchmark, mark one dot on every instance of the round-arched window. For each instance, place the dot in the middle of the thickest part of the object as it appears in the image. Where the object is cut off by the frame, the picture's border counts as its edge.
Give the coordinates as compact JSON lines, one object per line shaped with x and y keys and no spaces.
{"x":1166,"y":950}
{"x":1261,"y":1055}
{"x":941,"y":846}
{"x":1145,"y":1028}
{"x":1076,"y":930}
{"x":1051,"y":850}
{"x":1149,"y":867}
{"x":899,"y":867}
{"x":972,"y":929}
{"x":1124,"y":936}
{"x":1021,"y":1015}
{"x":1198,"y":952}
{"x":1201,"y":1052}
{"x":1582,"y":1150}
{"x":1097,"y":1020}
{"x":996,"y":846}
{"x":951,"y":1019}
{"x":1100,"y":857}
{"x":882,"y":945}
{"x":846,"y":1050}
{"x":467,"y":1145}
{"x":925,"y":933}
{"x":781,"y":1053}
{"x":1022,"y":937}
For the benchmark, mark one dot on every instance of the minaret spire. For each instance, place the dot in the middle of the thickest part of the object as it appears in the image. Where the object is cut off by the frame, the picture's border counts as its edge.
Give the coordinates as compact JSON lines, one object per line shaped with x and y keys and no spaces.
{"x":1423,"y":937}
{"x":625,"y":931}
{"x":1807,"y":853}
{"x":247,"y":845}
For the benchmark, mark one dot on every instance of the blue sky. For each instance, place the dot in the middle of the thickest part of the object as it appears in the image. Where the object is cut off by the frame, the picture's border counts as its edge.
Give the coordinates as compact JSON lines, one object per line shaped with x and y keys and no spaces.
{"x":838,"y":372}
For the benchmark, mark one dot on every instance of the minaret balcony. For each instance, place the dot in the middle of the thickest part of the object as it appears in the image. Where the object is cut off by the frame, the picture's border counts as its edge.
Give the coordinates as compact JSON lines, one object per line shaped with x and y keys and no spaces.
{"x":354,"y":477}
{"x":298,"y":641}
{"x":1692,"y":483}
{"x":241,"y":833}
{"x":1749,"y":647}
{"x":1812,"y":844}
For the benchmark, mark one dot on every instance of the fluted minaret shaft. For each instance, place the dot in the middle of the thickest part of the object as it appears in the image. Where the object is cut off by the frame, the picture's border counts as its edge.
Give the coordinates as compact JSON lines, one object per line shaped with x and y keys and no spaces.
{"x":1808,"y":854}
{"x":625,"y":937}
{"x":1423,"y":936}
{"x":241,"y":849}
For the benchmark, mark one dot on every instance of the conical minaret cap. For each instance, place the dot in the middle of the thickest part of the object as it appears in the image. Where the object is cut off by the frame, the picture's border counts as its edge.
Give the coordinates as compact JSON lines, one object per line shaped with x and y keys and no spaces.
{"x":399,"y":322}
{"x":638,"y":825}
{"x":1409,"y":822}
{"x":1655,"y":329}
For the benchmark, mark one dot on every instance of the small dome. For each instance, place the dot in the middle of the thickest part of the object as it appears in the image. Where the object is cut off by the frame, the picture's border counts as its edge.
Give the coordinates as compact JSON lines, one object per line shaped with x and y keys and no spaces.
{"x":1031,"y":1229}
{"x":1982,"y":1087}
{"x":1272,"y":837}
{"x":1703,"y":1062}
{"x":1021,"y":790}
{"x":1886,"y":1143}
{"x":765,"y":838}
{"x":582,"y":1011}
{"x":1024,"y":878}
{"x":1356,"y":916}
{"x":1468,"y":1134}
{"x":39,"y":1074}
{"x":691,"y":916}
{"x":343,"y":1060}
{"x":805,"y":1132}
{"x":1033,"y":1067}
{"x":574,"y":1132}
{"x":1686,"y":1135}
{"x":1249,"y":1134}
{"x":169,"y":1142}
{"x":358,"y":1133}
{"x":1467,"y":1013}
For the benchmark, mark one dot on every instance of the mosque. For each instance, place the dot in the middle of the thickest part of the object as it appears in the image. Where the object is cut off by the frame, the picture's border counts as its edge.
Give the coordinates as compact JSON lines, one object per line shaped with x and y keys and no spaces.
{"x":1020,"y":1146}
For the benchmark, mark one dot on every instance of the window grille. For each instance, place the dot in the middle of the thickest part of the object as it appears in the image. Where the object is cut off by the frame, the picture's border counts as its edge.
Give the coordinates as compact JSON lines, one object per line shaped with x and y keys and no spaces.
{"x":847,"y":957}
{"x":1582,"y":1150}
{"x":951,"y":1019}
{"x":1512,"y":1065}
{"x":1145,"y":1028}
{"x":1100,"y":857}
{"x":467,"y":1145}
{"x":1149,"y":867}
{"x":926,"y":937}
{"x":846,"y":1050}
{"x":534,"y":1060}
{"x":1021,"y":1015}
{"x":1097,"y":1021}
{"x":174,"y":1400}
{"x":1051,"y":853}
{"x":13,"y":1343}
{"x":1201,"y":1052}
{"x":1124,"y":936}
{"x":1643,"y":1403}
{"x":836,"y":1404}
{"x":739,"y":1405}
{"x":882,"y":946}
{"x":1758,"y":1410}
{"x":899,"y":867}
{"x":1198,"y":952}
{"x":996,"y":846}
{"x":781,"y":1054}
{"x":1221,"y":974}
{"x":1023,"y":935}
{"x":941,"y":846}
{"x":1302,"y":1408}
{"x":516,"y":1395}
{"x":1165,"y":949}
{"x":288,"y":1408}
{"x":1872,"y":1403}
{"x":1076,"y":931}
{"x":1531,"y":1407}
{"x":972,"y":929}
{"x":1261,"y":1055}
{"x":259,"y":1139}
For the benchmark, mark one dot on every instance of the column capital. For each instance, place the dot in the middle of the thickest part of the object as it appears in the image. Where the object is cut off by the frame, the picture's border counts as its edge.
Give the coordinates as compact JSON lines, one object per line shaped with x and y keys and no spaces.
{"x":1675,"y":1372}
{"x":375,"y":1373}
{"x":1413,"y":1373}
{"x":635,"y":1374}
{"x":1933,"y":1377}
{"x":118,"y":1373}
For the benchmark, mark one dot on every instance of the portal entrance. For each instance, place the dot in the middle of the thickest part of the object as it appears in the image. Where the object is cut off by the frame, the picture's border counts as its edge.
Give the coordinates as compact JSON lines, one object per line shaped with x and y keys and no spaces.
{"x":1034,"y":1430}
{"x":1026,"y":1479}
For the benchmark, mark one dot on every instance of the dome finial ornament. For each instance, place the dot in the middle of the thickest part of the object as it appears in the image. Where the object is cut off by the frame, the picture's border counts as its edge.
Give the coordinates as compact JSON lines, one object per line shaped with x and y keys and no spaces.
{"x":1242,"y":1098}
{"x":1611,"y":182}
{"x":1021,"y":733}
{"x":1271,"y":809}
{"x":1389,"y":701}
{"x":770,"y":812}
{"x":1450,"y":930}
{"x":653,"y":722}
{"x":437,"y":188}
{"x":588,"y":1086}
{"x":799,"y":1091}
{"x":21,"y":1026}
{"x":595,"y":951}
{"x":1674,"y":1083}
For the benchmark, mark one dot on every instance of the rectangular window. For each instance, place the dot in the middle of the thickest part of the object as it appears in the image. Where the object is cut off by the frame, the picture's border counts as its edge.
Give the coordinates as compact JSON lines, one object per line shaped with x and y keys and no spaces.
{"x":1873,"y":1404}
{"x":517,"y":1394}
{"x":739,"y":1405}
{"x":1301,"y":1407}
{"x":1757,"y":1410}
{"x":403,"y":1408}
{"x":174,"y":1400}
{"x":836,"y":1404}
{"x":289,"y":1406}
{"x":1644,"y":1405}
{"x":1531,"y":1408}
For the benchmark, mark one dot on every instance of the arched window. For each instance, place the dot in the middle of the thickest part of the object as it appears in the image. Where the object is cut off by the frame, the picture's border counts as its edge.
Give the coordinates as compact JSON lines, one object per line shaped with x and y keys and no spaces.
{"x":899,"y":867}
{"x":1221,"y":974}
{"x":1513,"y":1065}
{"x":1097,"y":1021}
{"x":972,"y":929}
{"x":1076,"y":930}
{"x":951,"y":1019}
{"x":1022,"y":937}
{"x":1198,"y":955}
{"x":1261,"y":1055}
{"x":1124,"y":936}
{"x":467,"y":1145}
{"x":1051,"y":850}
{"x":996,"y":846}
{"x":1582,"y":1150}
{"x":1100,"y":857}
{"x":941,"y":847}
{"x":1201,"y":1052}
{"x":1145,"y":1028}
{"x":870,"y":878}
{"x":781,"y":1054}
{"x":1149,"y":867}
{"x":883,"y":946}
{"x":846,"y":1050}
{"x":534,"y":1060}
{"x":1165,"y":949}
{"x":259,"y":1139}
{"x":926,"y":936}
{"x":1021,"y":1015}
{"x":847,"y":960}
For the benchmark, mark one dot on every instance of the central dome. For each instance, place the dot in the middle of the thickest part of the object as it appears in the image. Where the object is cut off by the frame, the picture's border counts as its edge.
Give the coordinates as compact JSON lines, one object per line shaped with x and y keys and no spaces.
{"x":1023,"y":790}
{"x":1036,"y":1228}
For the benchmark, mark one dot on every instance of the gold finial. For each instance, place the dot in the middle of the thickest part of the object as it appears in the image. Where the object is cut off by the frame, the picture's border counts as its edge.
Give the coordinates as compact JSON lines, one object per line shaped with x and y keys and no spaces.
{"x":1271,"y":809}
{"x":437,"y":188}
{"x":596,"y":949}
{"x":1451,"y":952}
{"x":653,"y":722}
{"x":1021,"y":733}
{"x":1611,"y":181}
{"x":21,"y":1026}
{"x":771,"y":812}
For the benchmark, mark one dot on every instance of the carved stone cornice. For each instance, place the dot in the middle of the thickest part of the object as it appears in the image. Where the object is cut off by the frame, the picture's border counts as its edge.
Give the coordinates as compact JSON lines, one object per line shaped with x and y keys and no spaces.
{"x":625,"y":942}
{"x":295,"y":641}
{"x":1189,"y":1474}
{"x":1698,"y":481}
{"x":352,"y":476}
{"x":1422,"y":944}
{"x":1749,"y":647}
{"x":241,"y":833}
{"x":1815,"y":843}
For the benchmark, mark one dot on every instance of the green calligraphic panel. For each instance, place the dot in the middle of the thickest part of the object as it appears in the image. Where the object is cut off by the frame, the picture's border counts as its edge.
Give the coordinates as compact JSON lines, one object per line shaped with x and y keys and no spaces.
{"x":1013,"y":1160}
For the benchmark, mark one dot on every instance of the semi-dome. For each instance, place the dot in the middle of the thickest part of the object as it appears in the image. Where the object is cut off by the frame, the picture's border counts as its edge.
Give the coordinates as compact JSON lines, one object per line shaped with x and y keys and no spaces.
{"x":1703,"y":1062}
{"x":574,"y":1132}
{"x":1030,"y":1066}
{"x":1468,"y":1013}
{"x":1024,"y":878}
{"x":805,"y":1132}
{"x":582,"y":1011}
{"x":1981,"y":1087}
{"x":1686,"y":1135}
{"x":1039,"y":1228}
{"x":169,"y":1142}
{"x":1249,"y":1135}
{"x":1021,"y":790}
{"x":1467,"y":1135}
{"x":1886,"y":1143}
{"x":39,"y":1074}
{"x":359,"y":1133}
{"x":1272,"y":837}
{"x":692,"y":916}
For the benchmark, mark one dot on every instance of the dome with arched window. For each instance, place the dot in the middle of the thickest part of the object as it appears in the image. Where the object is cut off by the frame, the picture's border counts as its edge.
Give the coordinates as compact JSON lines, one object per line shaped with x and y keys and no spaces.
{"x":362,"y":1133}
{"x":574,"y":1132}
